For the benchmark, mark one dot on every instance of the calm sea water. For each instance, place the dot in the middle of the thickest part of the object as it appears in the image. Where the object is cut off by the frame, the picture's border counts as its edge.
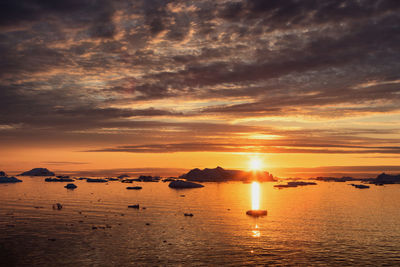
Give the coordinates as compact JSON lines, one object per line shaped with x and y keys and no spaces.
{"x":327,"y":224}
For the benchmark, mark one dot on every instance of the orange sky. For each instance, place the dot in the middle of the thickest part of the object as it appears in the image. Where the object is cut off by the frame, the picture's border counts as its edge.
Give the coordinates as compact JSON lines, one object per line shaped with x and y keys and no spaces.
{"x":170,"y":84}
{"x":280,"y":164}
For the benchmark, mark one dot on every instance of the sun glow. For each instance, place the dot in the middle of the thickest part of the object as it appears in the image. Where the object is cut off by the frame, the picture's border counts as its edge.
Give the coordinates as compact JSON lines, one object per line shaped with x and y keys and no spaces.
{"x":255,"y":196}
{"x":255,"y":164}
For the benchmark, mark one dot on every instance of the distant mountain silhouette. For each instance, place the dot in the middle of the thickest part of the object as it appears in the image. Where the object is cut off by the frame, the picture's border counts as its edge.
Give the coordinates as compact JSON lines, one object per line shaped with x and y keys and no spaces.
{"x":384,"y":178}
{"x":221,"y":175}
{"x":335,"y":179}
{"x":38,"y":172}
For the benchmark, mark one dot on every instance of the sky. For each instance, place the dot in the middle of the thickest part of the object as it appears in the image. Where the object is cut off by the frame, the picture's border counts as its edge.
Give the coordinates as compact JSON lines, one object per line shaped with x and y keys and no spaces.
{"x":112,"y":84}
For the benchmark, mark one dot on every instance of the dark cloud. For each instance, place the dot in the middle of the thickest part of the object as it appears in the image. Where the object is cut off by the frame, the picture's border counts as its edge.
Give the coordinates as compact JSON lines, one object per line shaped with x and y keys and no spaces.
{"x":349,"y":49}
{"x":277,"y":14}
{"x":155,"y":15}
{"x":251,"y":148}
{"x":350,"y":141}
{"x":154,"y":71}
{"x":75,"y":11}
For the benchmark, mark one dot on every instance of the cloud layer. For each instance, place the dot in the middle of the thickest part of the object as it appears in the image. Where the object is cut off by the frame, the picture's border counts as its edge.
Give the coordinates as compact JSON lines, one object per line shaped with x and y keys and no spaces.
{"x":154,"y":76}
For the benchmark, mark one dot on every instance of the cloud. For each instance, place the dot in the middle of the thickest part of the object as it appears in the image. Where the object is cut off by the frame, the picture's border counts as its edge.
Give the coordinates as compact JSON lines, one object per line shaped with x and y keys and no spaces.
{"x":72,"y":11}
{"x":65,"y":162}
{"x":178,"y":75}
{"x":271,"y":147}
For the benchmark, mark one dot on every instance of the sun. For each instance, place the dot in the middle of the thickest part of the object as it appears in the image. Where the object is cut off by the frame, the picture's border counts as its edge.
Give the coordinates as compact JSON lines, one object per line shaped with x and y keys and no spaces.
{"x":255,"y":164}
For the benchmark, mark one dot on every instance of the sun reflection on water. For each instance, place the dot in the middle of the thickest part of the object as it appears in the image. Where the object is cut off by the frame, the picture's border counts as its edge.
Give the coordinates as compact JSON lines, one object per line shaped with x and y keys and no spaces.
{"x":255,"y":196}
{"x":256,"y":232}
{"x":255,"y":205}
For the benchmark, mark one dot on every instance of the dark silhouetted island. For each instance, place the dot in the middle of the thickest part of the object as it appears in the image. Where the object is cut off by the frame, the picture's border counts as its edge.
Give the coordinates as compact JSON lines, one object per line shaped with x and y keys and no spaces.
{"x":360,"y":186}
{"x":2,"y":173}
{"x":221,"y":175}
{"x":335,"y":179}
{"x":5,"y":179}
{"x":179,"y":184}
{"x":381,"y":179}
{"x":384,"y":178}
{"x":257,"y":213}
{"x":96,"y":180}
{"x":38,"y":172}
{"x":149,"y":178}
{"x":58,"y":180}
{"x":70,"y":186}
{"x":142,"y":178}
{"x":134,"y":187}
{"x":294,"y":184}
{"x":169,"y":179}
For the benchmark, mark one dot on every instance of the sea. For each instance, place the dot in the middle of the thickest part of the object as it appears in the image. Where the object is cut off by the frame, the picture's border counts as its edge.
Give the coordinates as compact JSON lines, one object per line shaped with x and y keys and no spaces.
{"x":328,"y":224}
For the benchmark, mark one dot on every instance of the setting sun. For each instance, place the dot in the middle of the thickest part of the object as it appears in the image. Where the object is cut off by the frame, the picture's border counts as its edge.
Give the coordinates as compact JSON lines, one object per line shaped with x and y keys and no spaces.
{"x":230,"y":132}
{"x":255,"y":164}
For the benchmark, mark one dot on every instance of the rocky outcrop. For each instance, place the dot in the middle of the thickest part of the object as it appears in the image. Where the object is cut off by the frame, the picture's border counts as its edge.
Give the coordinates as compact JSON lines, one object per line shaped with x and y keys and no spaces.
{"x":2,"y":173}
{"x":169,"y":179}
{"x":130,"y":180}
{"x":360,"y":186}
{"x":70,"y":186}
{"x":95,"y":180}
{"x":179,"y":184}
{"x":221,"y":175}
{"x":294,"y":184}
{"x":335,"y":179}
{"x":134,"y":187}
{"x":58,"y":180}
{"x":4,"y":179}
{"x":38,"y":172}
{"x":148,"y":178}
{"x":256,"y":213}
{"x":142,"y":178}
{"x":284,"y":185}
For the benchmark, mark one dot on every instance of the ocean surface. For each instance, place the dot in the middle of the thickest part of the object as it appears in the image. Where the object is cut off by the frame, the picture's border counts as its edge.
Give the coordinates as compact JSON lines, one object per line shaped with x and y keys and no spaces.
{"x":325,"y":224}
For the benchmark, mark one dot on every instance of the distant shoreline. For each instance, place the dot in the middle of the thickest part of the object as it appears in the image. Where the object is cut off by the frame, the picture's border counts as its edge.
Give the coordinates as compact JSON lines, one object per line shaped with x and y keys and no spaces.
{"x":358,"y":172}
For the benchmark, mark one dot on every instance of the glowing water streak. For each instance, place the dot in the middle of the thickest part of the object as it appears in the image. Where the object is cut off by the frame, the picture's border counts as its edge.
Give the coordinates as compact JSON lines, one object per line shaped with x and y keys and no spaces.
{"x":256,"y":232}
{"x":255,"y":196}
